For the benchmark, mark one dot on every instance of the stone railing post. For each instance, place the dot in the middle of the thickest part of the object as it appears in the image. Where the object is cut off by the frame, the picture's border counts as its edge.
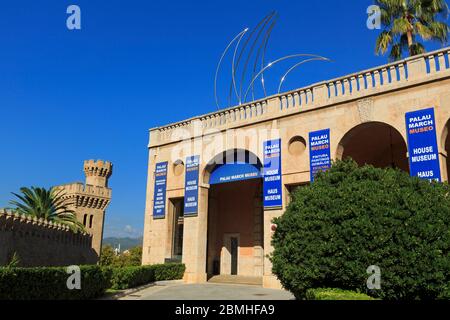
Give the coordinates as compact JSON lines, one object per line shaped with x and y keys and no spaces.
{"x":320,"y":94}
{"x":417,"y":68}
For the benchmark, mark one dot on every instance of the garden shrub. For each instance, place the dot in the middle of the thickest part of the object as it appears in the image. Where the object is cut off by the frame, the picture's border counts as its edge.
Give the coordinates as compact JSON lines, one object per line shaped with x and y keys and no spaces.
{"x":335,"y":294}
{"x":169,"y":271}
{"x":130,"y":277}
{"x":51,"y":283}
{"x":351,"y":218}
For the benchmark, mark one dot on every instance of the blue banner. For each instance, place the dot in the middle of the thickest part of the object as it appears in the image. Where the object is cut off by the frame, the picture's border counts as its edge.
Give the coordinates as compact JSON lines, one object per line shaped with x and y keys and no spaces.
{"x":159,"y":197}
{"x":422,"y":145}
{"x":273,"y":188}
{"x":319,"y":152}
{"x":191,"y":186}
{"x":231,"y":172}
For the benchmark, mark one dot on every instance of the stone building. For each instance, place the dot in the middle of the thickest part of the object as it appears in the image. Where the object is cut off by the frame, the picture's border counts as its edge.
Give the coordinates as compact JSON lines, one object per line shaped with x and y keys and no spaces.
{"x":90,"y":200}
{"x":216,"y":181}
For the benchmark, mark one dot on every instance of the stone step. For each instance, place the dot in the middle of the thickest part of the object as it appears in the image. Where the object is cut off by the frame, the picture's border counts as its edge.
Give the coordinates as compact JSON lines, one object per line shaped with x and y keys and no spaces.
{"x":256,"y":281}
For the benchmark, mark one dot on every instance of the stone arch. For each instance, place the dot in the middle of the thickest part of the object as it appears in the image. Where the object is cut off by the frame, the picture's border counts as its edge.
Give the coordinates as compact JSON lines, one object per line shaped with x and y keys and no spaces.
{"x":375,"y":143}
{"x":235,"y":211}
{"x":230,"y":156}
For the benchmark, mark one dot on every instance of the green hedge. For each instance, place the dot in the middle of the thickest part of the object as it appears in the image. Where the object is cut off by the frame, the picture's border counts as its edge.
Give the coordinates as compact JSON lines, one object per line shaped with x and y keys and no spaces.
{"x":335,"y":294}
{"x":130,"y":277}
{"x":351,"y":218}
{"x":50,"y":283}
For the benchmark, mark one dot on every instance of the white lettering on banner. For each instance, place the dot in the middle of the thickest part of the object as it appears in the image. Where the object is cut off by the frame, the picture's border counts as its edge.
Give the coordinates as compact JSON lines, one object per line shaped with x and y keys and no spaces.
{"x":275,"y":148}
{"x":271,"y":198}
{"x":425,"y":174}
{"x":423,"y":150}
{"x":419,"y":119}
{"x":427,"y":157}
{"x":319,"y":143}
{"x":191,"y":204}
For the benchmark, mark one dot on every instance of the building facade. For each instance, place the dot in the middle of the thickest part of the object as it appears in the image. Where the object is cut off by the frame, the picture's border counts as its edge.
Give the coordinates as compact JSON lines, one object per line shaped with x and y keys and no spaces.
{"x":90,"y":200}
{"x":215,"y":182}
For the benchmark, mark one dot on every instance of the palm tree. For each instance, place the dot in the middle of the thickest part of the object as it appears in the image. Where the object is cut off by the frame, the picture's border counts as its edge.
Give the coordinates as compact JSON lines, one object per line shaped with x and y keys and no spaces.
{"x":405,"y":21}
{"x":47,"y":204}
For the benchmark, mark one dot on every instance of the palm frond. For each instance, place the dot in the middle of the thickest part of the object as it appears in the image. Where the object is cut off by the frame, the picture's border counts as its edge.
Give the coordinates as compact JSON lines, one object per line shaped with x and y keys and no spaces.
{"x":50,"y":205}
{"x":384,"y":40}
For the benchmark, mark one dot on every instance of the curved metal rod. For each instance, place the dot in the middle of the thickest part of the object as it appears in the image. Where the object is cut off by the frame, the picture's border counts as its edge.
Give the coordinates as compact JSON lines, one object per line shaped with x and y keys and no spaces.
{"x":263,"y":45}
{"x":236,"y":65}
{"x":263,"y":61}
{"x":275,"y":62}
{"x":233,"y":72}
{"x":296,"y":66}
{"x":220,"y":63}
{"x":266,"y":21}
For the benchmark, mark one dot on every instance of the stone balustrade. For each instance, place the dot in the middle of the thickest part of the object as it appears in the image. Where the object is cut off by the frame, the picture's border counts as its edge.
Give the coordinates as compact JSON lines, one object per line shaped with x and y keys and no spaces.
{"x":410,"y":71}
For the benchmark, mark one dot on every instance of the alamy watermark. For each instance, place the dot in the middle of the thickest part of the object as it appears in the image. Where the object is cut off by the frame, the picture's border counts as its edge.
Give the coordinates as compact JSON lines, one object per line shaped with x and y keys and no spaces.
{"x":73,"y":21}
{"x":374,"y":17}
{"x":74,"y":280}
{"x":374,"y":281}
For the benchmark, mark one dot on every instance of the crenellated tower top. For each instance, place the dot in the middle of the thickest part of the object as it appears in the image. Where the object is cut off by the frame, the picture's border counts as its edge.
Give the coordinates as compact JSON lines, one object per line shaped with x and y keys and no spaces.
{"x":97,"y":172}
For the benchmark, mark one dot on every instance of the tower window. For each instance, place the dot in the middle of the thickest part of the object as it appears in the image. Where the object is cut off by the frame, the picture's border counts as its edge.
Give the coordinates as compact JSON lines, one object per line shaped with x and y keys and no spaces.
{"x":85,"y":220}
{"x":91,"y":218}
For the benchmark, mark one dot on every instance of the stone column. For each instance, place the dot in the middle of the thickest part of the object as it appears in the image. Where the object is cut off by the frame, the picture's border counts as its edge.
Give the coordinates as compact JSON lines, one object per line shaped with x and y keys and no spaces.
{"x":195,"y":237}
{"x":269,"y":280}
{"x":443,"y":164}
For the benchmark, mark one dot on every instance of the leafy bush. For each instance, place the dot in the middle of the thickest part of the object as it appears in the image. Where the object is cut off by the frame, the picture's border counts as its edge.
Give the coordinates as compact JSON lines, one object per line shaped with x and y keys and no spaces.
{"x":129,"y":258}
{"x":130,"y":277}
{"x":51,"y":283}
{"x":48,"y":283}
{"x":351,"y":218}
{"x":169,"y":271}
{"x":335,"y":294}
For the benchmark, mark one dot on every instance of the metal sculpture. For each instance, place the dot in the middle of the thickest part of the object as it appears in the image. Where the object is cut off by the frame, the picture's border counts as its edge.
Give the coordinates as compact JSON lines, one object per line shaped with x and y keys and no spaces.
{"x":264,"y":28}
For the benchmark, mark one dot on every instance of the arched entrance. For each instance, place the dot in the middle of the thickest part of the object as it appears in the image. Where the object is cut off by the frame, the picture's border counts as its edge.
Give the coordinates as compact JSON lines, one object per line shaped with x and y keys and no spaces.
{"x":235,"y":216}
{"x":375,"y":143}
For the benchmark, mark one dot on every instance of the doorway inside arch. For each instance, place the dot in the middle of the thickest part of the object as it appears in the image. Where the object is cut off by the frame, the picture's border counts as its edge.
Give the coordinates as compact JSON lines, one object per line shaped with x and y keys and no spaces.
{"x":377,"y":144}
{"x":235,"y":222}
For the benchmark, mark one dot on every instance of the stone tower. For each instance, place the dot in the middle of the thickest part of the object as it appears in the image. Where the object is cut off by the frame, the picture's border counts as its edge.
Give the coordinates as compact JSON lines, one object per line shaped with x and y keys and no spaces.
{"x":90,"y":200}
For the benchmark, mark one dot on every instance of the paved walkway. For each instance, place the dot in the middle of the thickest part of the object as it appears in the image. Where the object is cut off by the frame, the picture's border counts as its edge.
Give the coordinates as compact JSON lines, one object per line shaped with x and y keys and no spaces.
{"x":208,"y":291}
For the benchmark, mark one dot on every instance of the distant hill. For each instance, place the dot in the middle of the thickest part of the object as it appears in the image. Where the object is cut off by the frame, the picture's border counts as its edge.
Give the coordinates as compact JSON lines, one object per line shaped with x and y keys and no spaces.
{"x":125,"y":243}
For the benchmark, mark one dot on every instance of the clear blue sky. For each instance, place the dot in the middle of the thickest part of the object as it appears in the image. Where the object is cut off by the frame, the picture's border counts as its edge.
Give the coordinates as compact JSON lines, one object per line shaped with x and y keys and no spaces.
{"x":67,"y":96}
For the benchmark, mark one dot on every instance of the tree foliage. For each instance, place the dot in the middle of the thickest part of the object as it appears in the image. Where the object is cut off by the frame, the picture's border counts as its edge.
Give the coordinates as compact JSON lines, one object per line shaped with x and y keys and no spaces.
{"x":351,"y":218}
{"x":48,"y":204}
{"x":407,"y":21}
{"x":129,"y":258}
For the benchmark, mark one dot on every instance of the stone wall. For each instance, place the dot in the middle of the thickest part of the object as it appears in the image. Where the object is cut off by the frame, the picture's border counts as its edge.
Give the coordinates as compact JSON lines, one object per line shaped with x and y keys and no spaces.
{"x":41,"y":243}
